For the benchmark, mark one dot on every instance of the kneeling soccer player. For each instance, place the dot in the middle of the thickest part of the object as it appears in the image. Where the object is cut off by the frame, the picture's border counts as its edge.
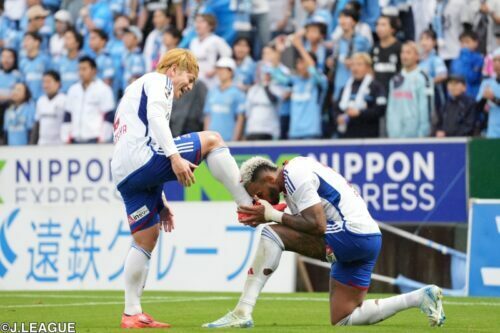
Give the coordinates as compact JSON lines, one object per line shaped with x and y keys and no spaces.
{"x":328,"y":214}
{"x":146,"y":156}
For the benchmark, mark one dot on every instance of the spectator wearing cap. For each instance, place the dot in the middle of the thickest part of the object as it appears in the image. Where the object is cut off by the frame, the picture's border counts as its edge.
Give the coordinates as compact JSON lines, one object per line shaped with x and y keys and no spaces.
{"x":244,"y":75}
{"x":56,"y":43}
{"x":469,"y":63}
{"x":49,"y":112}
{"x":350,"y":43}
{"x":307,"y":96}
{"x":19,"y":117}
{"x":362,"y":102}
{"x":314,"y":13}
{"x":153,"y":47}
{"x":208,"y":47}
{"x":458,"y":115}
{"x":9,"y":76}
{"x":38,"y":20}
{"x":315,"y":33}
{"x":489,"y":98}
{"x":262,"y":115}
{"x":116,"y":49}
{"x":225,"y":104}
{"x":410,"y":98}
{"x":68,"y":65}
{"x":89,"y":109}
{"x":133,"y":61}
{"x":33,"y":64}
{"x":386,"y":52}
{"x":97,"y":42}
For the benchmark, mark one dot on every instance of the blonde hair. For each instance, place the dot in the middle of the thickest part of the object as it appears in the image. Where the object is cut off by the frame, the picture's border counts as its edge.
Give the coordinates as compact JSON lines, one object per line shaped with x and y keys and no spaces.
{"x":250,"y":168}
{"x":183,"y":59}
{"x":412,"y":45}
{"x":364,"y":57}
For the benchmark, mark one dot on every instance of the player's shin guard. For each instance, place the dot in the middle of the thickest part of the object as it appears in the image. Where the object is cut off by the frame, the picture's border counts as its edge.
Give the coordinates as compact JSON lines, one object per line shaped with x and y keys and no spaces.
{"x":266,"y":261}
{"x":136,"y":272}
{"x":224,"y":168}
{"x":375,"y":310}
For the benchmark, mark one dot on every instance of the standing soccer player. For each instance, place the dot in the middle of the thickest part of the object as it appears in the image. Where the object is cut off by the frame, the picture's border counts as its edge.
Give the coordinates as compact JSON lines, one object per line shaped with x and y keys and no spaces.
{"x":146,"y":156}
{"x":330,"y":219}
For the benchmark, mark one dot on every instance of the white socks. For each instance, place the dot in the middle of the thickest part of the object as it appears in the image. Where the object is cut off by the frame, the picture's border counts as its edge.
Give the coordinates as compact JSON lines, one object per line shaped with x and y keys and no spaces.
{"x":224,"y":168}
{"x":136,"y":272}
{"x":375,"y":310}
{"x":267,"y":259}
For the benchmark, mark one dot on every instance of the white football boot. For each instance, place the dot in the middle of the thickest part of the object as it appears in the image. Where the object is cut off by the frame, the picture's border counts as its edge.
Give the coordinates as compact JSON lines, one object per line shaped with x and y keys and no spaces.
{"x":230,"y":320}
{"x":432,"y":305}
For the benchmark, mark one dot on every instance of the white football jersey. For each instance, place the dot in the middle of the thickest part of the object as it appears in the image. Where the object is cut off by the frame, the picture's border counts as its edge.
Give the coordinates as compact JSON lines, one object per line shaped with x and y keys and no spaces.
{"x":134,"y":143}
{"x":308,"y":182}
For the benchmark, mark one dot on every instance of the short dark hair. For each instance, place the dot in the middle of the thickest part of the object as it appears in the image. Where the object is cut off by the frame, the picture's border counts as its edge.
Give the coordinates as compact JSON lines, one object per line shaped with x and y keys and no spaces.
{"x":311,"y":54}
{"x":259,"y":170}
{"x":53,"y":74}
{"x":78,"y":37}
{"x":88,"y":60}
{"x":14,"y":54}
{"x":100,"y":33}
{"x":351,"y":13}
{"x":34,"y":35}
{"x":321,"y":26}
{"x":174,"y":32}
{"x":394,"y":21}
{"x":469,"y":34}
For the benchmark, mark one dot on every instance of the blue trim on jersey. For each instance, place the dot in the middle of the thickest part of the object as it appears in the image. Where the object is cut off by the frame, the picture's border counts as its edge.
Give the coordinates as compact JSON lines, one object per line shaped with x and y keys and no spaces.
{"x":142,"y":112}
{"x":329,"y":193}
{"x":288,"y":182}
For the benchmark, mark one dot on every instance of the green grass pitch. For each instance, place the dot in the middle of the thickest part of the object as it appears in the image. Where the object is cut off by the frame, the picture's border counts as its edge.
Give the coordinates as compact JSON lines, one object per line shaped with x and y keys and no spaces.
{"x":100,"y":311}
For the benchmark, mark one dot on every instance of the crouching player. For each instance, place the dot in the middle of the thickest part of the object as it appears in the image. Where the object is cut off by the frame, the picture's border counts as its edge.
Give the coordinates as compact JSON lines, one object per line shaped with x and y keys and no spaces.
{"x":146,"y":156}
{"x":328,"y":216}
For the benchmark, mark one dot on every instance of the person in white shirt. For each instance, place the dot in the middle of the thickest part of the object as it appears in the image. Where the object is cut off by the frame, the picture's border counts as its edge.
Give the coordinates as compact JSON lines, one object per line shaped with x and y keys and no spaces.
{"x":146,"y":156}
{"x":56,"y":42}
{"x":208,"y":47}
{"x":89,"y":110}
{"x":328,"y":220}
{"x":49,"y":112}
{"x":153,"y":47}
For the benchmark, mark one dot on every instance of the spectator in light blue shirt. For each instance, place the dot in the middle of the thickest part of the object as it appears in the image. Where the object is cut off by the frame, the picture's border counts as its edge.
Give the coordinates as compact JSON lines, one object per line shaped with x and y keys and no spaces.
{"x":225,"y":104}
{"x":95,"y":14}
{"x":116,"y":49}
{"x":9,"y":76}
{"x":308,"y":92}
{"x":316,"y":14}
{"x":350,"y":43}
{"x":33,"y":64}
{"x":105,"y":69}
{"x":39,"y":20}
{"x":67,"y":65}
{"x":133,"y":60}
{"x":489,"y":95}
{"x":244,"y":75}
{"x":19,"y":117}
{"x":315,"y":37}
{"x":10,"y":36}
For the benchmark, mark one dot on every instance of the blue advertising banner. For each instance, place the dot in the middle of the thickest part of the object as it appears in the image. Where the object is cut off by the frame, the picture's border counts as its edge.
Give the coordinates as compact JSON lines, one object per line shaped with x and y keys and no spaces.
{"x":401,"y":181}
{"x":483,"y":270}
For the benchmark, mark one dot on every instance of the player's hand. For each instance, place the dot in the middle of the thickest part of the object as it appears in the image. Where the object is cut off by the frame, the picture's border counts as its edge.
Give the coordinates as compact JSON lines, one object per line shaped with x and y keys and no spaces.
{"x":256,"y":215}
{"x":167,"y":219}
{"x":183,"y":170}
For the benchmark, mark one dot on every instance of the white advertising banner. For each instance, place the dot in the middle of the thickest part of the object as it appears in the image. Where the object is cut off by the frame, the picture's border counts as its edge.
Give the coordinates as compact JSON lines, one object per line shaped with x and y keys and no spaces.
{"x":83,"y":246}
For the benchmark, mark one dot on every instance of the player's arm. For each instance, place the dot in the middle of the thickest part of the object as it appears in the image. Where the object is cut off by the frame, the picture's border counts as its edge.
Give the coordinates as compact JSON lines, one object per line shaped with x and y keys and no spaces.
{"x":160,"y":128}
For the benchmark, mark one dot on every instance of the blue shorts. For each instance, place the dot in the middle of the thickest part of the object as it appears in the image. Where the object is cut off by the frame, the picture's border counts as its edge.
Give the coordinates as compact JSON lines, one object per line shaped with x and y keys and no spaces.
{"x":356,"y":256}
{"x":141,"y":190}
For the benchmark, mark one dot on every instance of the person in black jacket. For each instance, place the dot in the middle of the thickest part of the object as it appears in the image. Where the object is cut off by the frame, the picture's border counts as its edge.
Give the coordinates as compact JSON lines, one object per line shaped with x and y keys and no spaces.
{"x":458,"y":115}
{"x":362,"y":101}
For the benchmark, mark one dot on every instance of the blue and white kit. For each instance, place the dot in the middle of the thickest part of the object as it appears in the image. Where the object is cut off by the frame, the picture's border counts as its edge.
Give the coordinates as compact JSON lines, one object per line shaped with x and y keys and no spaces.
{"x":351,"y":233}
{"x":140,"y":164}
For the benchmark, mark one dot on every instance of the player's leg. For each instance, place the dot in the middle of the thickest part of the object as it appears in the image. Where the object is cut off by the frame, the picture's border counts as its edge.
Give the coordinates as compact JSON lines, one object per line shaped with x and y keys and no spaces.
{"x":348,"y":307}
{"x":142,"y":210}
{"x":222,"y":166}
{"x":273,"y":241}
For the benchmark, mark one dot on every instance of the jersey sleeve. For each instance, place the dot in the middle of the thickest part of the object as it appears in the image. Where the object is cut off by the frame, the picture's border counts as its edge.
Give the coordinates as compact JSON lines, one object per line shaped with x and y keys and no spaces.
{"x":301,"y":185}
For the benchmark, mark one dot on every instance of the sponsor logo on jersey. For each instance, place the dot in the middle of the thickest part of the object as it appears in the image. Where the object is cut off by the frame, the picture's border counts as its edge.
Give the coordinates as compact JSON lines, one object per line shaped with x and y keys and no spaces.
{"x":138,"y":214}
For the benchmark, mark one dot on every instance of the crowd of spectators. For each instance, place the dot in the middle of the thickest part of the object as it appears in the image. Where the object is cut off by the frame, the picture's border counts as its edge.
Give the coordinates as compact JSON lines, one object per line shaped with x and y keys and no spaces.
{"x":269,"y":69}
